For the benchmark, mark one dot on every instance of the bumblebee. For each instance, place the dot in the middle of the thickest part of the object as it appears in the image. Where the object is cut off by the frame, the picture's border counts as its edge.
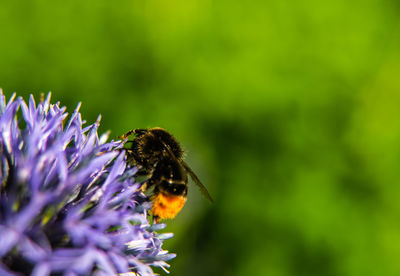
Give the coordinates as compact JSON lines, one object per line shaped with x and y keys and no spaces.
{"x":158,"y":156}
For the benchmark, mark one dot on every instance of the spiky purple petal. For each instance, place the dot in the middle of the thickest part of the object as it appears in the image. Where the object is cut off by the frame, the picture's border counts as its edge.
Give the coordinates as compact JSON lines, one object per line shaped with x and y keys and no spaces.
{"x":68,"y":201}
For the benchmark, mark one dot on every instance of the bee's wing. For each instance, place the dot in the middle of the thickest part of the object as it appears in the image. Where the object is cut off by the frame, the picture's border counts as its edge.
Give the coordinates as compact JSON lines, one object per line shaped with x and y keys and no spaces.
{"x":196,"y":180}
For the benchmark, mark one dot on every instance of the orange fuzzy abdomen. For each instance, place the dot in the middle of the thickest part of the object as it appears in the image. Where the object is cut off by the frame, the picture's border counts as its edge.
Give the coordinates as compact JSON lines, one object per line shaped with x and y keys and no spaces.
{"x":167,"y":206}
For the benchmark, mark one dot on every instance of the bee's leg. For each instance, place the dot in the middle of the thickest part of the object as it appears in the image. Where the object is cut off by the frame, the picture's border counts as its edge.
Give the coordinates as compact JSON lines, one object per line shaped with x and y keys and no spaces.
{"x":129,"y":155}
{"x":149,"y":183}
{"x":126,"y":135}
{"x":144,"y":187}
{"x":137,"y":131}
{"x":156,"y":219}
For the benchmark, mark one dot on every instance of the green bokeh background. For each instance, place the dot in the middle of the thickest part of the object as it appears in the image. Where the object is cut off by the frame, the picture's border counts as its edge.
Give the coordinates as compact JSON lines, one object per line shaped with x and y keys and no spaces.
{"x":289,"y":112}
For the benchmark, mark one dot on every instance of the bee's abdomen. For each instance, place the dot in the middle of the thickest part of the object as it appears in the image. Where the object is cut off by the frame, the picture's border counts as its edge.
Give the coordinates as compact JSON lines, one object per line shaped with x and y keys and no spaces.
{"x":167,"y":206}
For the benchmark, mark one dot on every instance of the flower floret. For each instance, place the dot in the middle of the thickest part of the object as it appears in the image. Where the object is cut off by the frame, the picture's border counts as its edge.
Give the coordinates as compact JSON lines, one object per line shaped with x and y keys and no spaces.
{"x":68,"y":201}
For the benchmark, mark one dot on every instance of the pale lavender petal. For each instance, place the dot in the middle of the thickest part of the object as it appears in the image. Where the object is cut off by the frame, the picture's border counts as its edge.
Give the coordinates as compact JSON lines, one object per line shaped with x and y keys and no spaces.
{"x":6,"y":272}
{"x":27,"y":115}
{"x":105,"y":263}
{"x":41,"y":269}
{"x":11,"y":100}
{"x":2,"y":101}
{"x":32,"y":107}
{"x":120,"y":263}
{"x":85,"y":263}
{"x":8,"y":238}
{"x":31,"y":250}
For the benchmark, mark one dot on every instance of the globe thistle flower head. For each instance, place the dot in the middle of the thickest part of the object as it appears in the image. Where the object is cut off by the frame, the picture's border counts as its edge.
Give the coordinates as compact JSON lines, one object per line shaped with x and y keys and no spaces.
{"x":68,"y":202}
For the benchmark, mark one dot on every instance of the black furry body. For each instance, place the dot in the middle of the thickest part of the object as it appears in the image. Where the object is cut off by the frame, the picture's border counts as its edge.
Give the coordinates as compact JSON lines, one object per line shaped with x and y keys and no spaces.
{"x":149,"y":147}
{"x":158,"y":155}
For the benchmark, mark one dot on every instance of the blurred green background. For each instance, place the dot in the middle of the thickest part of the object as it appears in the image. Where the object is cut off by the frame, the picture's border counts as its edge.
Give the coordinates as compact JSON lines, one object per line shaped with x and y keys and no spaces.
{"x":289,"y":112}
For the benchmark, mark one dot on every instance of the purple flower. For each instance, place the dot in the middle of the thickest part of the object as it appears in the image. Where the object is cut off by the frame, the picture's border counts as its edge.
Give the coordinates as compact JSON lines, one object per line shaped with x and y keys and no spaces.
{"x":68,"y":203}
